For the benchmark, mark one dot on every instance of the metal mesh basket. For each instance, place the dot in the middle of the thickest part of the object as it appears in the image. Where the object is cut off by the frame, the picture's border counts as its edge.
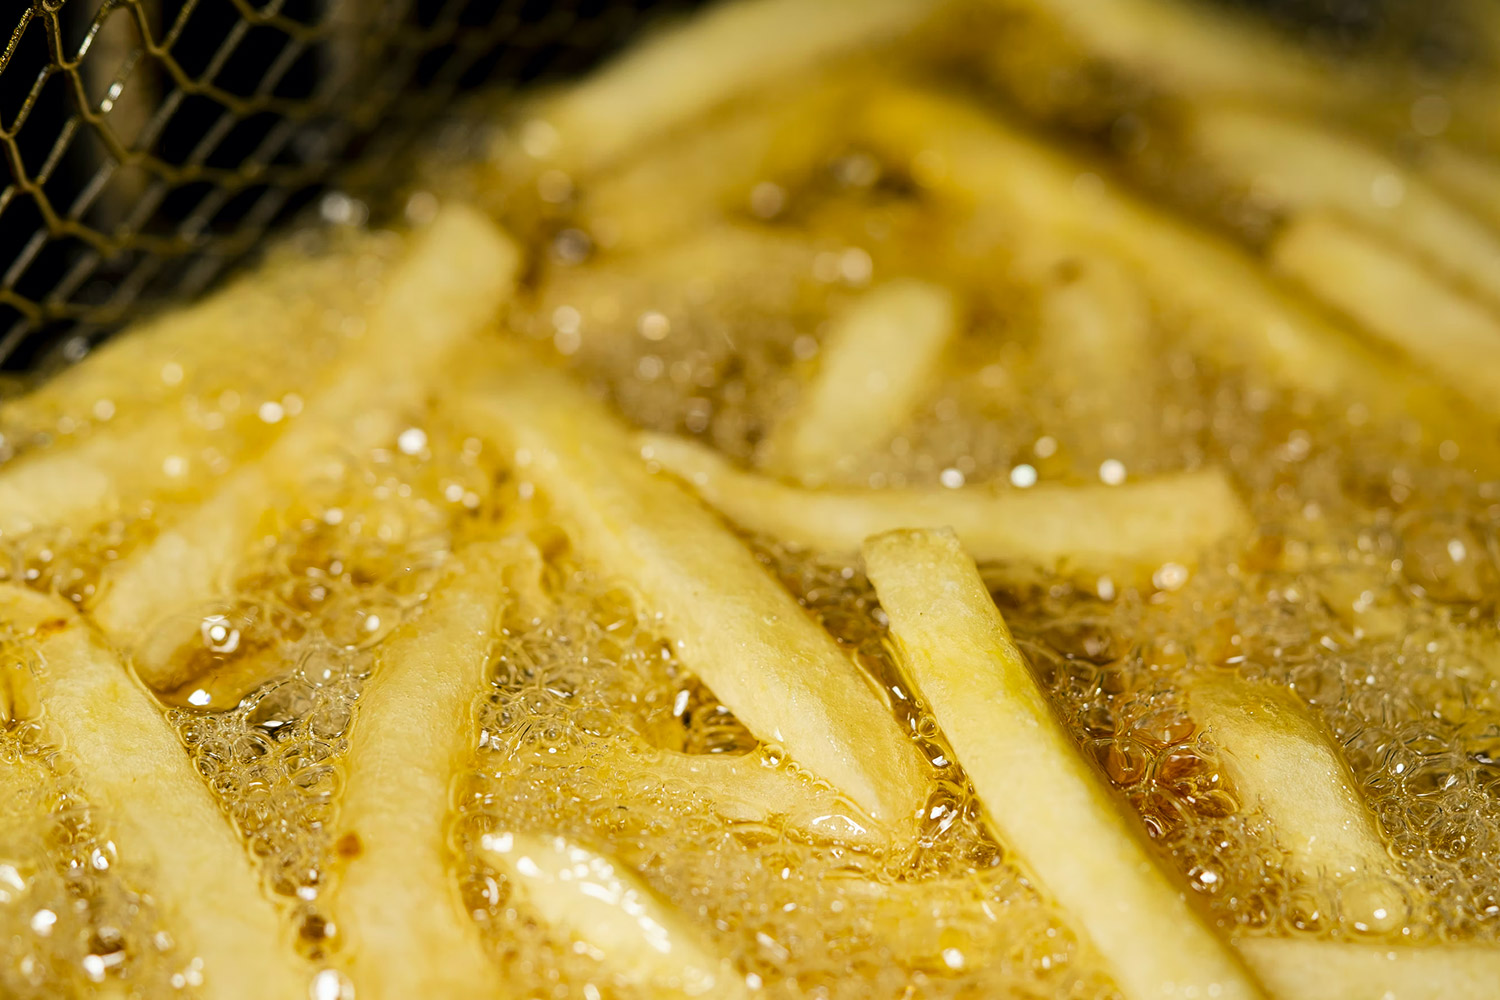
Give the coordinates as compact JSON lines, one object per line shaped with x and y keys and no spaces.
{"x":151,"y":142}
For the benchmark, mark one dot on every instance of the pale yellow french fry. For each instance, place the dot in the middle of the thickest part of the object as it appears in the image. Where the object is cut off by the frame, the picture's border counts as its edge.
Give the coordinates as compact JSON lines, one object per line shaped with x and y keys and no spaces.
{"x":1302,"y":165}
{"x":459,"y":272}
{"x":409,"y":934}
{"x":82,"y":485}
{"x":1469,"y":177}
{"x":270,"y":331}
{"x":597,"y":902}
{"x":879,"y":359}
{"x":731,"y":49}
{"x":1094,"y":343}
{"x":745,"y":788}
{"x":1398,"y":300}
{"x":1126,"y":532}
{"x":740,"y":787}
{"x":707,"y":266}
{"x":264,"y":336}
{"x":134,"y":767}
{"x":1041,"y":796}
{"x":1188,"y":50}
{"x":1209,"y":291}
{"x":1185,"y":47}
{"x":762,"y":655}
{"x":1281,"y":761}
{"x":1303,"y":969}
{"x":742,"y":164}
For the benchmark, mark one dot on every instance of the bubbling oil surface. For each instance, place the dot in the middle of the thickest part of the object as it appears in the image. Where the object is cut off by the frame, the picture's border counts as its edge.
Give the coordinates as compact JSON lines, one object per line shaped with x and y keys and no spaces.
{"x":1368,"y":587}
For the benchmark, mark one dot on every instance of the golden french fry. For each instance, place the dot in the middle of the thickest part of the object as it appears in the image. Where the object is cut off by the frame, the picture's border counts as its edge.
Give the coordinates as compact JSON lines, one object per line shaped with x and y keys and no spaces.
{"x":719,"y":55}
{"x":1185,"y":48}
{"x":741,"y":164}
{"x":1041,"y":796}
{"x":1280,"y":760}
{"x":707,"y":266}
{"x":412,"y":731}
{"x":1398,"y":300}
{"x":762,"y":655}
{"x":1469,"y":177}
{"x":1305,"y":165}
{"x":748,"y":789}
{"x":1094,"y":342}
{"x":879,"y":358}
{"x":134,"y":767}
{"x":266,"y":332}
{"x":1209,"y":291}
{"x":1303,"y":969}
{"x":265,"y":335}
{"x":1126,"y":532}
{"x":459,"y":272}
{"x":597,"y":901}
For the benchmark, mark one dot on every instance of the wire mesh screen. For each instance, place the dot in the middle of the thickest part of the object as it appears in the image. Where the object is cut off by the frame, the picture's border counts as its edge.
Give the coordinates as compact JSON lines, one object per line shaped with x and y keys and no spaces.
{"x":150,"y":142}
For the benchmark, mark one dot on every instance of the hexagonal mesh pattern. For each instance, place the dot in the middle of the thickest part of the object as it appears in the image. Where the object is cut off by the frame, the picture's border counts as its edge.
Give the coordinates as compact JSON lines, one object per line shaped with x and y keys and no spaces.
{"x":151,"y":142}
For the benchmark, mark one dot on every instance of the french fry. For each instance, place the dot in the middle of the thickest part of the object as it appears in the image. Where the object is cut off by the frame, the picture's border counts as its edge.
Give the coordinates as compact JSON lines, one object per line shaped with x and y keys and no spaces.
{"x":1126,"y":532}
{"x":1467,"y":176}
{"x":134,"y":767}
{"x":460,"y":271}
{"x":1305,"y":165}
{"x":1281,"y":761}
{"x":408,"y":931}
{"x":600,"y":903}
{"x":1094,"y":342}
{"x":267,"y":331}
{"x":1182,"y":49}
{"x":1301,"y":969}
{"x":762,"y":655}
{"x":1185,"y":48}
{"x":1041,"y":797}
{"x":721,"y":54}
{"x":747,"y":789}
{"x":263,"y":335}
{"x":708,"y":265}
{"x":740,"y":787}
{"x":879,"y":358}
{"x":1212,"y":293}
{"x":714,"y":170}
{"x":1396,"y":299}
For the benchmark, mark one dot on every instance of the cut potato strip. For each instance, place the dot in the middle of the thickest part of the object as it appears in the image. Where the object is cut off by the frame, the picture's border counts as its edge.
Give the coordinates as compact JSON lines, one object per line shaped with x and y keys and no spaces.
{"x":459,"y":272}
{"x":606,"y":908}
{"x":134,"y":767}
{"x":1467,"y":176}
{"x":1185,"y":48}
{"x":265,"y":332}
{"x":1211,"y":292}
{"x":1094,"y":342}
{"x":706,"y":266}
{"x":742,"y":164}
{"x":747,"y":789}
{"x":1126,"y":532}
{"x":878,"y":360}
{"x":1301,"y":969}
{"x":1041,"y":797}
{"x":721,"y":54}
{"x":762,"y":655}
{"x":1281,"y":761}
{"x":1302,"y":165}
{"x":1398,"y":300}
{"x":413,"y":730}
